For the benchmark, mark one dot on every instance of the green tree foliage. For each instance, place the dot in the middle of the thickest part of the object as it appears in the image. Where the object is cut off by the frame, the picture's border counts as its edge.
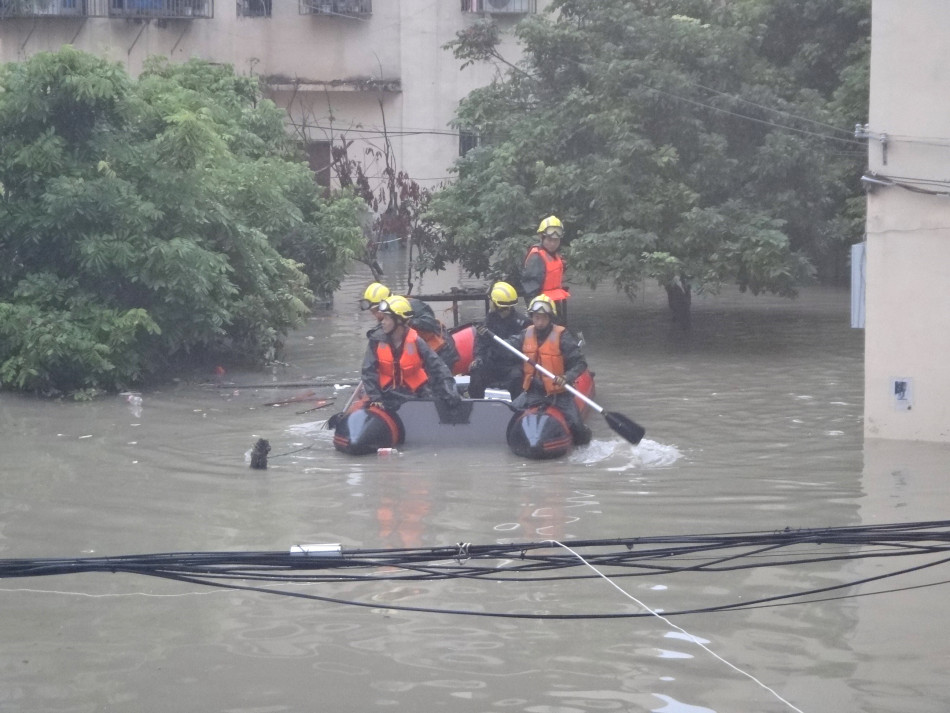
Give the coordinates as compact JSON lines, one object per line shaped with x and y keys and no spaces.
{"x":146,"y":222}
{"x":664,"y":136}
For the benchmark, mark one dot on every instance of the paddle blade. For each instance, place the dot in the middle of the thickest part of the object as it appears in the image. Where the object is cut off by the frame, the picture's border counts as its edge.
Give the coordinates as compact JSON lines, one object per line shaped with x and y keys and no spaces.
{"x":630,"y":430}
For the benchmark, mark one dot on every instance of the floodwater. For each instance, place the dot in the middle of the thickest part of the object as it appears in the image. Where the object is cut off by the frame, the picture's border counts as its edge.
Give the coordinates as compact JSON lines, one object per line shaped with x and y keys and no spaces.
{"x":754,"y":423}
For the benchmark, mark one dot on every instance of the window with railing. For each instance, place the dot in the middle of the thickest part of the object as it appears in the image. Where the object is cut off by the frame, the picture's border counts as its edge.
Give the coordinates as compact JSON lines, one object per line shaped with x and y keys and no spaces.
{"x":254,"y":8}
{"x":179,"y":9}
{"x":40,"y":8}
{"x":336,"y":7}
{"x":501,"y":7}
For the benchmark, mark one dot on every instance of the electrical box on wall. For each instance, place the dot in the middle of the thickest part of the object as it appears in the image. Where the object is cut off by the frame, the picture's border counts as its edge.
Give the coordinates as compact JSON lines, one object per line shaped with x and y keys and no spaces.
{"x":902,"y":391}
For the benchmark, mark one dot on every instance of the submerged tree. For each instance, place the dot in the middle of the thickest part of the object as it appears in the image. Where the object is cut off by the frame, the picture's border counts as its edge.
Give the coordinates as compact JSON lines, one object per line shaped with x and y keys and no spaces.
{"x":668,"y":143}
{"x":144,"y":223}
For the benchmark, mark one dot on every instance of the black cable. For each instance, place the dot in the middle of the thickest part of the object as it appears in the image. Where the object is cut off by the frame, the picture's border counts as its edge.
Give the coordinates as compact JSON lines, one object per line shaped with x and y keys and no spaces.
{"x":760,"y":603}
{"x":534,"y":562}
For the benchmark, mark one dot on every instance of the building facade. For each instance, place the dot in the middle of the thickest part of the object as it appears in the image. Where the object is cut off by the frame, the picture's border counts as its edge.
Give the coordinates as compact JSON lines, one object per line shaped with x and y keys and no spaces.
{"x":907,"y":322}
{"x":370,"y":72}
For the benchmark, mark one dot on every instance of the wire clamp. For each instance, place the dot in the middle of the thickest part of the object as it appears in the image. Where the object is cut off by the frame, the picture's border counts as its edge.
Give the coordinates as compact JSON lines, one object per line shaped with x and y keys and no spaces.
{"x":462,"y":555}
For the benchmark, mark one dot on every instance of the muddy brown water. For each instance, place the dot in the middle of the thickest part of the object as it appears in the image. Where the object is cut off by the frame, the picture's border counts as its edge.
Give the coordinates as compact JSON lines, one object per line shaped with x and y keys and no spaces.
{"x":754,"y":423}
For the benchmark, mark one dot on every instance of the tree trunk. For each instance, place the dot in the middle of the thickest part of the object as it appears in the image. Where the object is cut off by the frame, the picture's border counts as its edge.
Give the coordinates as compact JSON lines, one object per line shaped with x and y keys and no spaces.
{"x":679,"y":296}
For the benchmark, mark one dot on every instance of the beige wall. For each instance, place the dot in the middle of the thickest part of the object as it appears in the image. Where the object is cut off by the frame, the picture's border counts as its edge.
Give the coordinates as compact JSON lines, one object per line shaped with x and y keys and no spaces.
{"x":908,"y":232}
{"x":320,"y":56}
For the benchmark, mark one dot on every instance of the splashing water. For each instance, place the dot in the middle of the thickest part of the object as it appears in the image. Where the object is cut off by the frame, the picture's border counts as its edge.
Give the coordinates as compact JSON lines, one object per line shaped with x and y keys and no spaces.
{"x":618,"y":455}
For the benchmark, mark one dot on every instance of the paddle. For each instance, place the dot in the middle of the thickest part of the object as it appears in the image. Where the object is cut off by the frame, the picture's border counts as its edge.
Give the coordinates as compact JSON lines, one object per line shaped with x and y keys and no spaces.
{"x":622,"y":425}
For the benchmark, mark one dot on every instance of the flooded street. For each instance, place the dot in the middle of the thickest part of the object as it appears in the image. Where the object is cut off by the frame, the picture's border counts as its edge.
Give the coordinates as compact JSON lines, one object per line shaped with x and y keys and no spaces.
{"x":754,"y":423}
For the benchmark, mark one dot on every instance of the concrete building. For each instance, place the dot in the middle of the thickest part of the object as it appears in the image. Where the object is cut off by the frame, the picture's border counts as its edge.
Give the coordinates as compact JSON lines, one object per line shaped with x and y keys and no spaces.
{"x":343,"y":69}
{"x":907,"y":339}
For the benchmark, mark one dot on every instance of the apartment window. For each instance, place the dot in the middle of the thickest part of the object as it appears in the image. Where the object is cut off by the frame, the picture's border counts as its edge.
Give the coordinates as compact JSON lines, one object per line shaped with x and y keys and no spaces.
{"x":163,"y":9}
{"x":318,"y":156}
{"x":467,"y":141}
{"x":254,"y":8}
{"x":500,"y":7}
{"x":40,"y":8}
{"x":336,"y":7}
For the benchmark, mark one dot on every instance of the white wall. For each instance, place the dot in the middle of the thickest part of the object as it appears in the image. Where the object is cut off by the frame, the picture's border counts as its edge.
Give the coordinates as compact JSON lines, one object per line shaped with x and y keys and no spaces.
{"x":908,"y":288}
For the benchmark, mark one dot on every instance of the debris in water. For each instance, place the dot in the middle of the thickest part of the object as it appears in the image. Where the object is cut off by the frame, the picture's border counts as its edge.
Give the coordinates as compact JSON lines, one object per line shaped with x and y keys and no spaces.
{"x":259,"y":454}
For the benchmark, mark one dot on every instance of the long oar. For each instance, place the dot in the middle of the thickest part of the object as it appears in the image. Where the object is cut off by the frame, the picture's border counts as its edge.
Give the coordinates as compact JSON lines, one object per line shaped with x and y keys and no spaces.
{"x":630,"y":430}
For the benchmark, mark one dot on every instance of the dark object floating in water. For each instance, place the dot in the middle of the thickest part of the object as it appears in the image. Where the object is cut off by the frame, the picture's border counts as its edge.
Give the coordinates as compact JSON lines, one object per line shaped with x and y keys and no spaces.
{"x":259,"y":454}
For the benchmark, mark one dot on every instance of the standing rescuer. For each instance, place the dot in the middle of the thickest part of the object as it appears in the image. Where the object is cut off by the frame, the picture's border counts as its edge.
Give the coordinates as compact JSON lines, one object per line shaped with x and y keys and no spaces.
{"x":398,"y":361}
{"x":557,"y":350}
{"x":543,"y":271}
{"x":493,"y":365}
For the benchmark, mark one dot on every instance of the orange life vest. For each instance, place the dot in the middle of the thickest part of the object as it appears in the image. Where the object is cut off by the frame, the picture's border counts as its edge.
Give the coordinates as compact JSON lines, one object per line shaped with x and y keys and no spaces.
{"x":547,"y":354}
{"x":553,"y":273}
{"x":408,"y":371}
{"x":433,"y":339}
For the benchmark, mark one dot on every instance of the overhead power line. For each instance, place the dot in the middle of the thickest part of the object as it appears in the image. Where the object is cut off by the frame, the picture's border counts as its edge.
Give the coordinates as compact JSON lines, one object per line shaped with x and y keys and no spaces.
{"x":538,"y":562}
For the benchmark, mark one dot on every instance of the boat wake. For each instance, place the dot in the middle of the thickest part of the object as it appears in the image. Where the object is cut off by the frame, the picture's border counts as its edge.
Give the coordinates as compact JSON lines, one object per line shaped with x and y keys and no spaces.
{"x":317,"y":430}
{"x":619,"y":455}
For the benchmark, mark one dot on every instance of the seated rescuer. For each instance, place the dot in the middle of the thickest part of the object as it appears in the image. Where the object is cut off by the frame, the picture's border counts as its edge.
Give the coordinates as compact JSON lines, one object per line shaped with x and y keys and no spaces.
{"x":398,"y":361}
{"x":372,"y":296}
{"x":433,"y":332}
{"x":557,"y":350}
{"x":493,"y":365}
{"x":543,"y":271}
{"x":423,"y":321}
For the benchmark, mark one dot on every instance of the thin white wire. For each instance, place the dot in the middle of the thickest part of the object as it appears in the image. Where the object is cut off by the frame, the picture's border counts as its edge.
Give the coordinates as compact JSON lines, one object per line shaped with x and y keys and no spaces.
{"x":678,"y":628}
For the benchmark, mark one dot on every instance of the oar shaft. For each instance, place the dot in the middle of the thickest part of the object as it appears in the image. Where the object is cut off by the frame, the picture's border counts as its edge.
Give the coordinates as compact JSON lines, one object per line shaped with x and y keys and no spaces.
{"x":532,"y":362}
{"x":629,"y":430}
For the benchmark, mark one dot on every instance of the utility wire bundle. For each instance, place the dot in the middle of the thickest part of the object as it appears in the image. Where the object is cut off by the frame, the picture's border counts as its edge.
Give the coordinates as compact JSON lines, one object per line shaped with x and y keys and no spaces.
{"x":544,"y":561}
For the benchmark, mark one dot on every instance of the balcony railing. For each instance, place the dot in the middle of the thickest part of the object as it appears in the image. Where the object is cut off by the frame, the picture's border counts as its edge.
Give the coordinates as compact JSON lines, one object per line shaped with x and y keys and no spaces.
{"x":140,"y":9}
{"x":143,"y":9}
{"x":255,"y":8}
{"x":336,"y":7}
{"x":40,"y":8}
{"x":501,"y":7}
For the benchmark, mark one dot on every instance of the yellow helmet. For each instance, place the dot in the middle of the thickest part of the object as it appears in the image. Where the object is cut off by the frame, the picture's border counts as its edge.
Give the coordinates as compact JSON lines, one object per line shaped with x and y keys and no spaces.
{"x":398,"y":306}
{"x":551,"y":226}
{"x":373,"y":295}
{"x":544,"y":305}
{"x":504,"y":295}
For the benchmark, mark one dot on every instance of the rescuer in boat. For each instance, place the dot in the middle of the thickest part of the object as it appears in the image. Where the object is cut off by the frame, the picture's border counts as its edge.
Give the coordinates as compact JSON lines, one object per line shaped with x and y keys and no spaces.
{"x":543,"y":271}
{"x":557,"y":350}
{"x":398,"y":361}
{"x":493,"y":365}
{"x":424,"y":322}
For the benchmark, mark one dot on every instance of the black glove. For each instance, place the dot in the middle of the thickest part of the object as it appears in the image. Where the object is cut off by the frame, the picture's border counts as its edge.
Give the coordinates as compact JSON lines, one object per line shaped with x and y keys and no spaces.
{"x":476,"y":364}
{"x":376,"y":404}
{"x":559,"y":381}
{"x":482,"y":330}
